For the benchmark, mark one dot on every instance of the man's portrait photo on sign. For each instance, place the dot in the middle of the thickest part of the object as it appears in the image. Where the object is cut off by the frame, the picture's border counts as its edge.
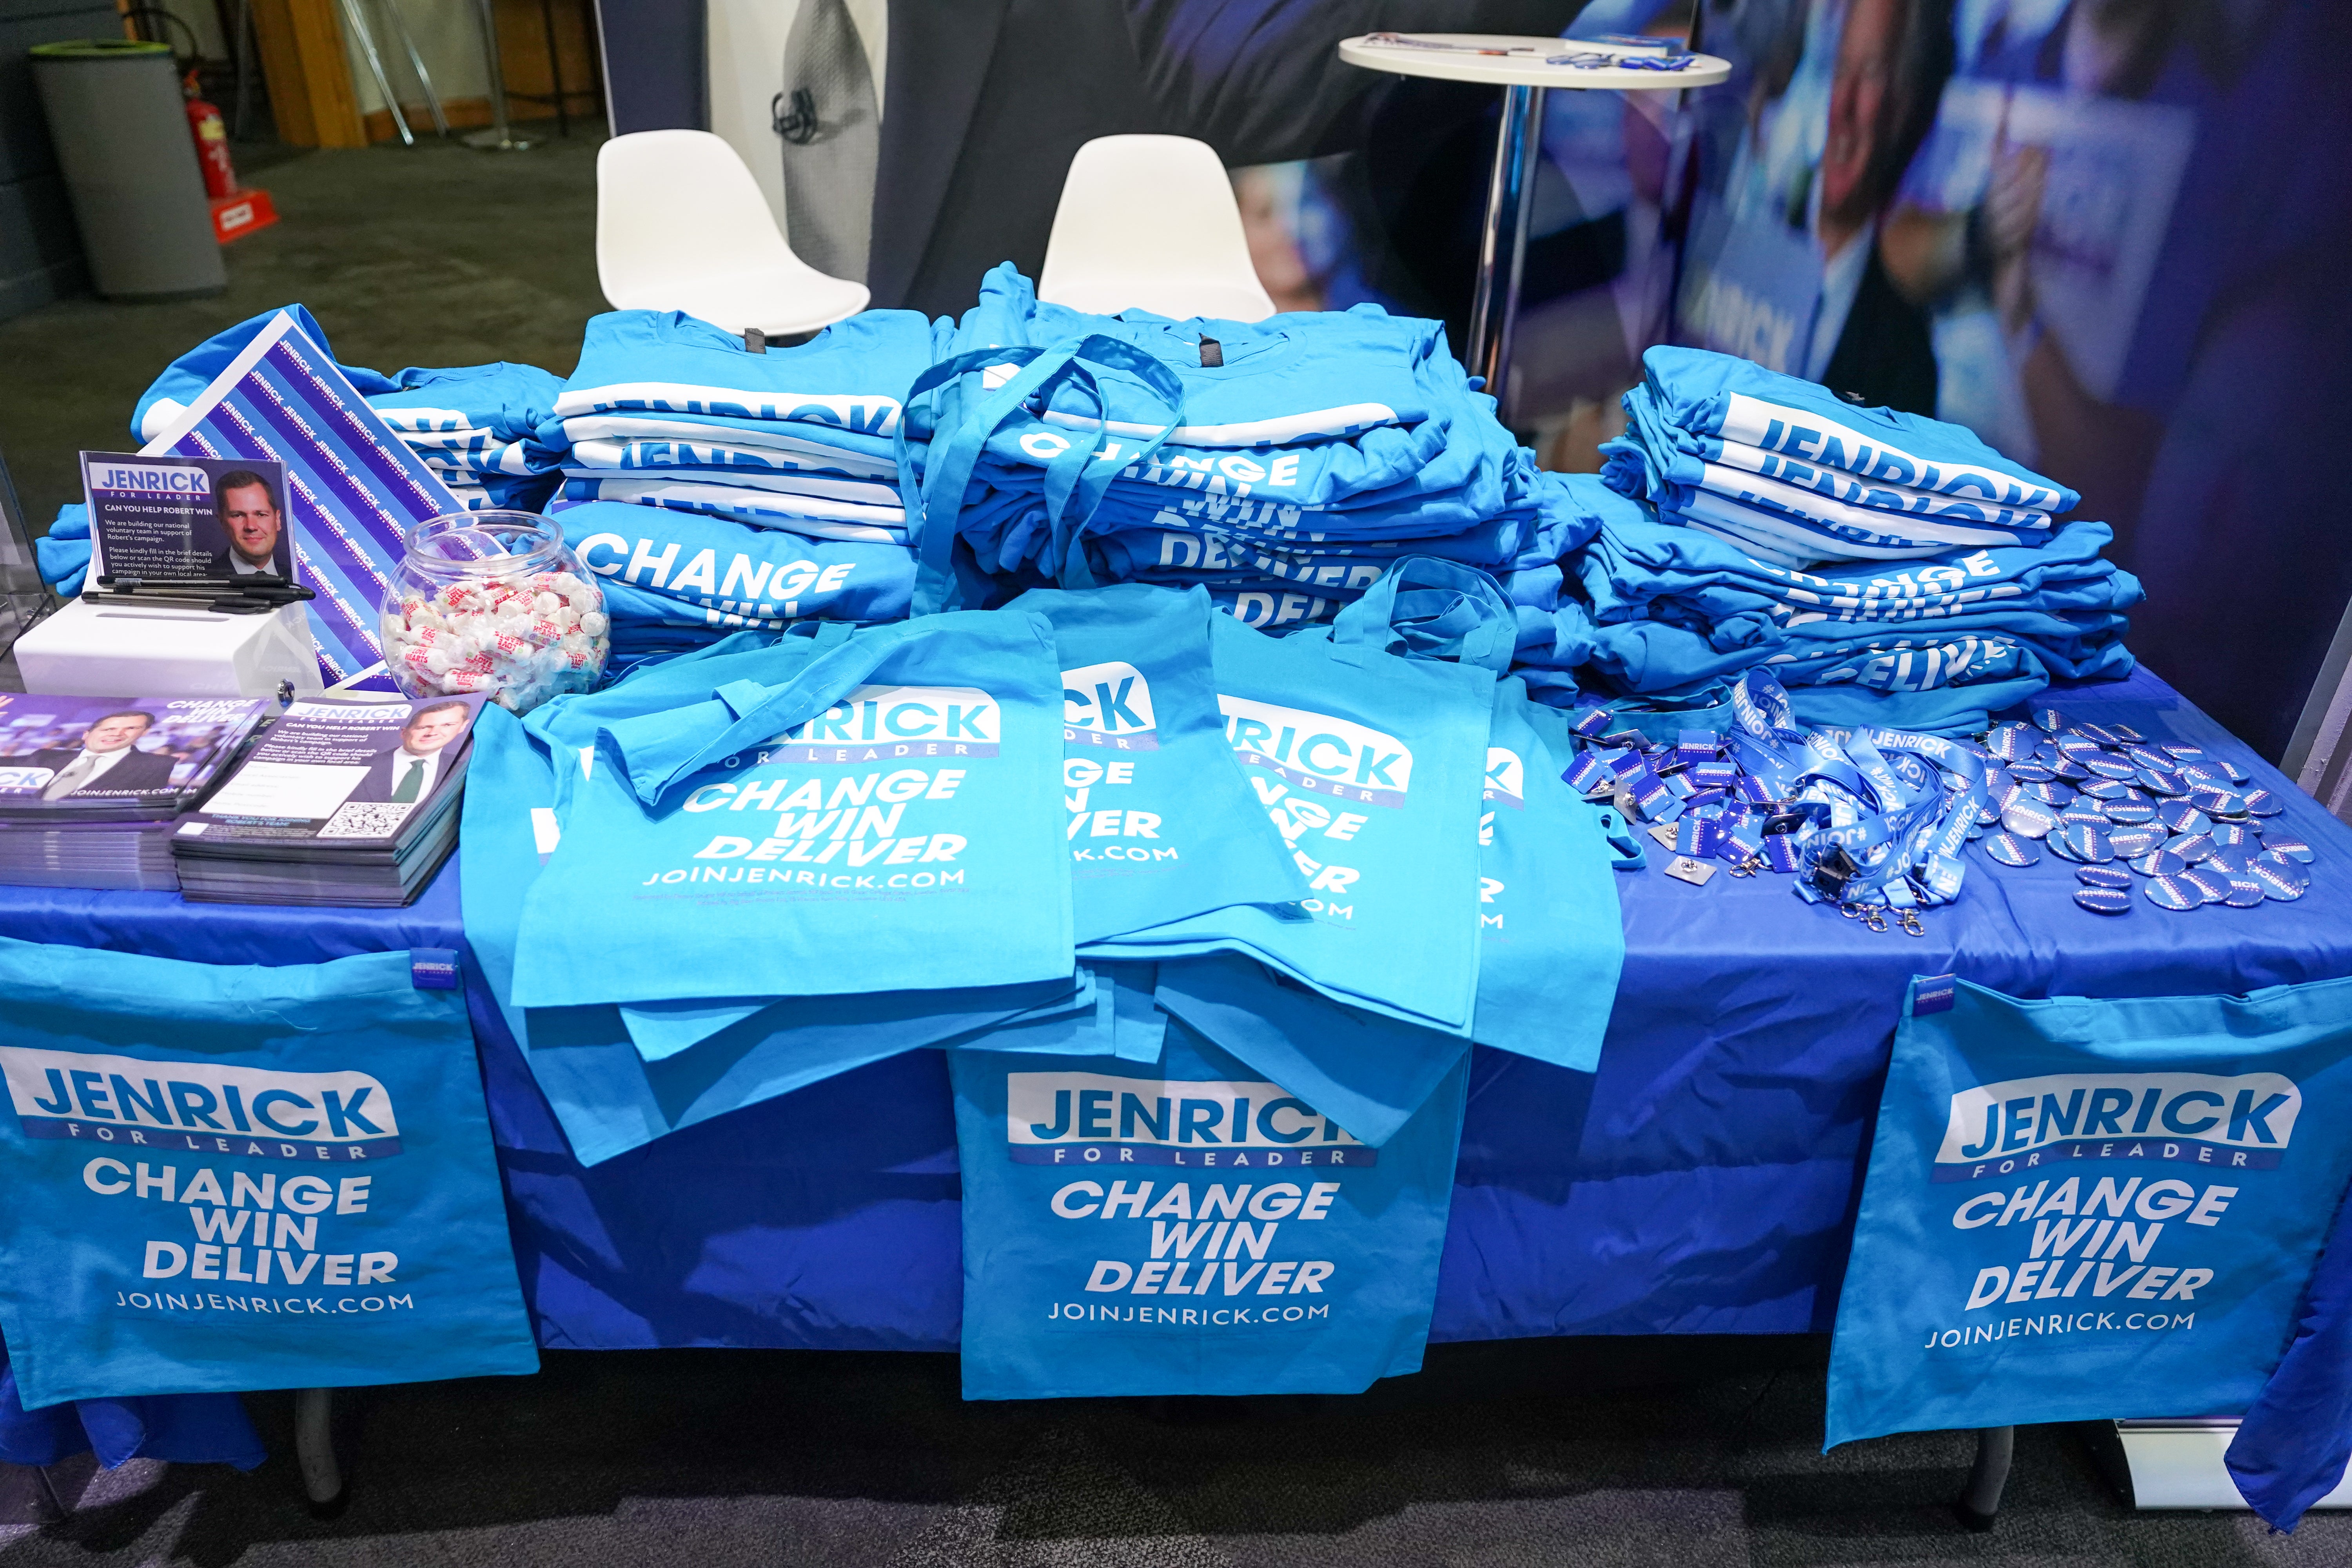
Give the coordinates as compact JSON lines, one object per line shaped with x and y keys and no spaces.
{"x":247,"y":509}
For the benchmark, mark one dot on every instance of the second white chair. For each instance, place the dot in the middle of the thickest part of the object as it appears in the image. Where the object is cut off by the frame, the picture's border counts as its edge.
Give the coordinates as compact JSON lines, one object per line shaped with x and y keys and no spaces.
{"x":682,"y":225}
{"x":1149,"y":222}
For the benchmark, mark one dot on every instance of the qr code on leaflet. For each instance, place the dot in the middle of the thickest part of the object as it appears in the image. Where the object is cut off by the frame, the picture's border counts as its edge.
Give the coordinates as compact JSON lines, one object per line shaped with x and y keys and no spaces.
{"x":360,"y":819}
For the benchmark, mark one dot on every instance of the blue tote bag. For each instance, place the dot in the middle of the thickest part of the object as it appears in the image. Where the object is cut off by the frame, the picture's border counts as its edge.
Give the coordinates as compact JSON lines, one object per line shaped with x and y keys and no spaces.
{"x":1161,"y":821}
{"x":2080,"y":1209}
{"x":227,"y":1177}
{"x":1370,"y":766}
{"x":1187,"y":1226}
{"x":1551,"y":940}
{"x":608,"y":1091}
{"x":861,"y":825}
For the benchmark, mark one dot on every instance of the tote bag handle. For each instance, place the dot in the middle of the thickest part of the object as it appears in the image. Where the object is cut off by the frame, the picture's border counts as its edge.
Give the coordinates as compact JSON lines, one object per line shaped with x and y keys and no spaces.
{"x":1076,"y":477}
{"x":1425,"y":608}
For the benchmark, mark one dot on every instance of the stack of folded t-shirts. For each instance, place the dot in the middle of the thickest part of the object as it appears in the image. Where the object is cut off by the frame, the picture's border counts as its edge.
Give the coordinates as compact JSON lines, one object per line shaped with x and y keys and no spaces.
{"x":477,"y":427}
{"x":1307,"y":452}
{"x":714,"y":488}
{"x":1911,"y":632}
{"x":1793,"y":474}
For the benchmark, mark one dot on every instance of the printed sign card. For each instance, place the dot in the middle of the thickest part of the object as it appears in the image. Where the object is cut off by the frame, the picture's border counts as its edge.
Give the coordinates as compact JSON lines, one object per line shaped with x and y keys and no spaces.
{"x":187,"y":517}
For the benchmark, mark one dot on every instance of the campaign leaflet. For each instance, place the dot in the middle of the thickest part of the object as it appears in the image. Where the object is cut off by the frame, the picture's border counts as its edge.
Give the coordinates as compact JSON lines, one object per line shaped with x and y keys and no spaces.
{"x":342,"y":802}
{"x":114,"y":758}
{"x":344,"y":774}
{"x":187,"y":517}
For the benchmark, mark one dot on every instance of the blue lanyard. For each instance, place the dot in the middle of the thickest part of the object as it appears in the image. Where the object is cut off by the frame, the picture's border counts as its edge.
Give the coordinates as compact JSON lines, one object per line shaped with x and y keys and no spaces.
{"x":1869,"y":819}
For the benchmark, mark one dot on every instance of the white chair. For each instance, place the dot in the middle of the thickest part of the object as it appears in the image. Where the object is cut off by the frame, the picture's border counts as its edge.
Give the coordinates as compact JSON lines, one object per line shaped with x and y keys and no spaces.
{"x":682,"y":225}
{"x":1149,"y":222}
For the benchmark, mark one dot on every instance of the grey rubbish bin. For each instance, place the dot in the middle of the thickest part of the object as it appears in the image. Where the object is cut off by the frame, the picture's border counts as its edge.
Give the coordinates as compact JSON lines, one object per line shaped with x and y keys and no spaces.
{"x":115,"y":112}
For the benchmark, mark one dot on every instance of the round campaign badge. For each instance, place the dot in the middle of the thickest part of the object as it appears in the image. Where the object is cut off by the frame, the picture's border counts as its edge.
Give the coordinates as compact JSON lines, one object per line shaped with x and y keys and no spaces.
{"x":2029,"y":819}
{"x":1988,"y":815}
{"x":2104,"y":900}
{"x":2159,"y":863}
{"x":2011,"y":850}
{"x":2182,"y":817}
{"x":2107,"y":789}
{"x":2285,"y":863}
{"x":2099,"y":732}
{"x":2077,"y":745}
{"x":2228,"y":835}
{"x":1995,"y":778}
{"x":2031,"y":772}
{"x":2215,"y":887}
{"x":2070,"y":770}
{"x":2126,"y":735}
{"x":2280,"y":882}
{"x":2173,"y":893}
{"x":2217,"y":801}
{"x":2224,"y":863}
{"x":2157,"y":780}
{"x":2052,"y":792}
{"x":2293,"y":849}
{"x":2010,"y":743}
{"x":2191,"y":847}
{"x":2262,"y":802}
{"x":2102,"y":876}
{"x":2176,"y":749}
{"x":2131,"y":813}
{"x":2079,"y":841}
{"x":2108,"y":769}
{"x":2147,"y":757}
{"x":2049,"y":719}
{"x":2131,"y":842}
{"x":2245,"y":893}
{"x":2084,"y":811}
{"x":2204,"y":773}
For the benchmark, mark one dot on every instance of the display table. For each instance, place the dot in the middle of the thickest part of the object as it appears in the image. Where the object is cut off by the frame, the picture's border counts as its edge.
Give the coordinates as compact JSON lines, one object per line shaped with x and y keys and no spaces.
{"x":1702,"y":1183}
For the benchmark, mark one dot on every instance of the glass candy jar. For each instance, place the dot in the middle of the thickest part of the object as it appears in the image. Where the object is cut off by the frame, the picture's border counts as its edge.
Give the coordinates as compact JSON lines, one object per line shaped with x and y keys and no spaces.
{"x":493,"y":602}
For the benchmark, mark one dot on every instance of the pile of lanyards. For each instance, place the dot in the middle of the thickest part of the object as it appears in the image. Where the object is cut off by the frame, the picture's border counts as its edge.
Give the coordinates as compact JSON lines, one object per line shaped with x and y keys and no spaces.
{"x":1874,"y":821}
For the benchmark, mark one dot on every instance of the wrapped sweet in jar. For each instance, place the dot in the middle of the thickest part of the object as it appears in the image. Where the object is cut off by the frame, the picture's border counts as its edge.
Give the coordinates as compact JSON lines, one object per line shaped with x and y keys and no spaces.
{"x":493,"y":602}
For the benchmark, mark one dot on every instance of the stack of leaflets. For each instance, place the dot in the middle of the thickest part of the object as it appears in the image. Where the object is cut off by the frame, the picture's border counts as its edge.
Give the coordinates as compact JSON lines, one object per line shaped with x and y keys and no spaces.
{"x":344,"y":801}
{"x":89,"y":785}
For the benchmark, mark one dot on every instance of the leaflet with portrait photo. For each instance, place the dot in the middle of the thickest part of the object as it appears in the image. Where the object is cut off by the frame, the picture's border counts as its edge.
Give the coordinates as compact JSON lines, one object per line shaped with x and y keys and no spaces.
{"x":341,"y":775}
{"x":84,"y":759}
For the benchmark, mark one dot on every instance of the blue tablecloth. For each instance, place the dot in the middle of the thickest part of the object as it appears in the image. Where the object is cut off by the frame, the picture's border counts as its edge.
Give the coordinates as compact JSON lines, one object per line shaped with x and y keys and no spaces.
{"x":1702,"y":1181}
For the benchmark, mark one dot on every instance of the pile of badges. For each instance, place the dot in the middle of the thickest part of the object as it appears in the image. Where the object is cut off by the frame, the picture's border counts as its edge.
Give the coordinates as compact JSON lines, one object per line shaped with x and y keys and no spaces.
{"x":2106,"y":798}
{"x":1869,"y":820}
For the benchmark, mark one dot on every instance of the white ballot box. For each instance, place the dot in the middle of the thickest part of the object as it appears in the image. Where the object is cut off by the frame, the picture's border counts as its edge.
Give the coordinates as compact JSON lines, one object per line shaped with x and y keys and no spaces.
{"x":158,"y":650}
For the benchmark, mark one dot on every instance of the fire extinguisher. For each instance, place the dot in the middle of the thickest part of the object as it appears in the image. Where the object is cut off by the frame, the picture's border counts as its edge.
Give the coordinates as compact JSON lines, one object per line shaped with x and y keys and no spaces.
{"x":211,"y":143}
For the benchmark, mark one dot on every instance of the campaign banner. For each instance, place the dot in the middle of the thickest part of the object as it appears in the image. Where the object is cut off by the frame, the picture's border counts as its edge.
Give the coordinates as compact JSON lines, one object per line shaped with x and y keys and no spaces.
{"x":228,"y":1177}
{"x":1184,"y":1226}
{"x":2082,"y":1210}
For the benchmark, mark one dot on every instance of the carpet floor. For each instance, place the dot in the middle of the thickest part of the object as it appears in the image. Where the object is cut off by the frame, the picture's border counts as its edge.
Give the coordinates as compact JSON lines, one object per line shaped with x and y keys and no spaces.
{"x":1701,"y":1453}
{"x":437,"y":255}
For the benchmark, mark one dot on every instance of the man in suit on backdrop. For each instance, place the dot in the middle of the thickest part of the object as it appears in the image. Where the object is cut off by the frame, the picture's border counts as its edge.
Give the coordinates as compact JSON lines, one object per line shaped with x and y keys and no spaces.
{"x":924,"y":142}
